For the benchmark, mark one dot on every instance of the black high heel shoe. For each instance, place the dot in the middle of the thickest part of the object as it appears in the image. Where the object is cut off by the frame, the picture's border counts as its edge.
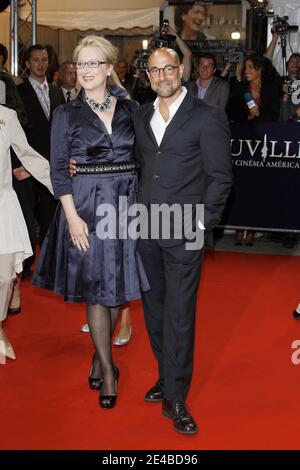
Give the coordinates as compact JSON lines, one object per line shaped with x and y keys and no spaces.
{"x":109,"y":401}
{"x":95,"y":383}
{"x":14,"y":311}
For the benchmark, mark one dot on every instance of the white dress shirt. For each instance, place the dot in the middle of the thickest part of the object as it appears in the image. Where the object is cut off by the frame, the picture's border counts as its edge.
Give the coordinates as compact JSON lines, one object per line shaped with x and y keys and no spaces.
{"x":73,"y":93}
{"x":157,"y":123}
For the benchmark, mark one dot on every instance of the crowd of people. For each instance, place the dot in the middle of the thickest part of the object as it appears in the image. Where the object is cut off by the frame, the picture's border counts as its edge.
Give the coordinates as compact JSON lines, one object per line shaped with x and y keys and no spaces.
{"x":87,"y":130}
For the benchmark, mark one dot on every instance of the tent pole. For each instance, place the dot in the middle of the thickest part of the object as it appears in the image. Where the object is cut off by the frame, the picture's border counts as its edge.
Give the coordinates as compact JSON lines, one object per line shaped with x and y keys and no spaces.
{"x":20,"y":41}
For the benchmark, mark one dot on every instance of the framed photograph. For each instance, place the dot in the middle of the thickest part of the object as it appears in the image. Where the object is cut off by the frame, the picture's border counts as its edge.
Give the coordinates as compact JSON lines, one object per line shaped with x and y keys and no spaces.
{"x":215,"y":27}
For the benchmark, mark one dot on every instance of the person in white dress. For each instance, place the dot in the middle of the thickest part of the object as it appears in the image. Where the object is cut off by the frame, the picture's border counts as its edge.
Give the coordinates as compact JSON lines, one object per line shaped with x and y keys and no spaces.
{"x":15,"y":245}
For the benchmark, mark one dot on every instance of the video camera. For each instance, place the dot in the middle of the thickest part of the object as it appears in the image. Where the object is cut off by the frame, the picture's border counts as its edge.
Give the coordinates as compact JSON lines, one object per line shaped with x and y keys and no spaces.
{"x":143,"y":60}
{"x":282,"y":27}
{"x":162,"y":39}
{"x":293,"y":86}
{"x":234,"y":55}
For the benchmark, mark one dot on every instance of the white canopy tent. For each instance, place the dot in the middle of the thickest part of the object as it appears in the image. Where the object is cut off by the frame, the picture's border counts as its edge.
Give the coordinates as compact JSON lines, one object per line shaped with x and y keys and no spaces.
{"x":55,"y":18}
{"x":98,"y":15}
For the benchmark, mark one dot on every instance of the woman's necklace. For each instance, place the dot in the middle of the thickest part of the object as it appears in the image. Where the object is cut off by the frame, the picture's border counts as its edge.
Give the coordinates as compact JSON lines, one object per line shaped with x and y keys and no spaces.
{"x":102,"y":107}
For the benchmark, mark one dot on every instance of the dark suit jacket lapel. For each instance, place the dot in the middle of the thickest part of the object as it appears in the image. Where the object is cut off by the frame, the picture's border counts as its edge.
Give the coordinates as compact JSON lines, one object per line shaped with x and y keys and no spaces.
{"x":35,"y":98}
{"x":147,"y":118}
{"x":182,"y":114}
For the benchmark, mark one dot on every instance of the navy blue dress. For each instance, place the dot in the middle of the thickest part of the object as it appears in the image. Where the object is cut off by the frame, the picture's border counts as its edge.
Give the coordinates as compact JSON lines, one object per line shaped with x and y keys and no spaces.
{"x":110,"y":272}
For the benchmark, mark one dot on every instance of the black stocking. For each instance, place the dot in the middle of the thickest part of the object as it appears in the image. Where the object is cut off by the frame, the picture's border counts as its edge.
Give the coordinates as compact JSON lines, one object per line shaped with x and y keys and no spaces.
{"x":102,"y":321}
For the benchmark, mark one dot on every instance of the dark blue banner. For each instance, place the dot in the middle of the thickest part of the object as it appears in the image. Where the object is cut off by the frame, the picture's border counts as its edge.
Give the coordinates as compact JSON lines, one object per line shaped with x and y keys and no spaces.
{"x":266,"y":167}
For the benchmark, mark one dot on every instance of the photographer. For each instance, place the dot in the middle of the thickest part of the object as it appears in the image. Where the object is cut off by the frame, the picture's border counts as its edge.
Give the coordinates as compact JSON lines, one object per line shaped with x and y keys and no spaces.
{"x":280,"y":29}
{"x":232,"y":58}
{"x":140,"y":90}
{"x":289,"y":109}
{"x":293,"y":63}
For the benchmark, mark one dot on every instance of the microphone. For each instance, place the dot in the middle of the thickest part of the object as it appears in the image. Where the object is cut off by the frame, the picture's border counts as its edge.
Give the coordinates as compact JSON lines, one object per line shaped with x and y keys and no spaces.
{"x":250,"y":100}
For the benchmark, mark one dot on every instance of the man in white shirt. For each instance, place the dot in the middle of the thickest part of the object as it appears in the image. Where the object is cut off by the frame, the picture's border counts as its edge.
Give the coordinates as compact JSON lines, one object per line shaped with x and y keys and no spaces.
{"x":68,"y":76}
{"x":183,"y":151}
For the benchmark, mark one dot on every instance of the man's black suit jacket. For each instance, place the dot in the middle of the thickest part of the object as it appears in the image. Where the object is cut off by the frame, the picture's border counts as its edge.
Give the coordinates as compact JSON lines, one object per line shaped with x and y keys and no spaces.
{"x":38,"y":129}
{"x":192,"y":165}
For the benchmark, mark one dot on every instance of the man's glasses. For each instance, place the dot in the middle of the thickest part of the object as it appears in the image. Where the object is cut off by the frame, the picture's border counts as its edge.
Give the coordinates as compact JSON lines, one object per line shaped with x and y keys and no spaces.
{"x":167,"y":69}
{"x":92,"y":64}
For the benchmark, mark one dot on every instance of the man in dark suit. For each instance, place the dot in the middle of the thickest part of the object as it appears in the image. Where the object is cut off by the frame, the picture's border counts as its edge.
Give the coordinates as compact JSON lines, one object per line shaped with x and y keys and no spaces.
{"x":184,"y":155}
{"x":40,"y":99}
{"x":68,"y":77}
{"x":213,"y":90}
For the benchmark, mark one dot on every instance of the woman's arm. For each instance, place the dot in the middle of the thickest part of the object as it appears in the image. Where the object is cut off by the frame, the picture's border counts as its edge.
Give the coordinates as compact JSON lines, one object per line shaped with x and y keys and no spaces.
{"x":271,"y":47}
{"x":186,"y":52}
{"x":77,"y":227}
{"x":61,"y":180}
{"x":32,"y":161}
{"x":225,"y":73}
{"x":60,"y":153}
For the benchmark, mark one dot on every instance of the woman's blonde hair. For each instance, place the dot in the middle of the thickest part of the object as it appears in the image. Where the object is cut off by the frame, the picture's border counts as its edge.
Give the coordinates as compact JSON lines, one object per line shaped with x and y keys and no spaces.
{"x":109,"y":51}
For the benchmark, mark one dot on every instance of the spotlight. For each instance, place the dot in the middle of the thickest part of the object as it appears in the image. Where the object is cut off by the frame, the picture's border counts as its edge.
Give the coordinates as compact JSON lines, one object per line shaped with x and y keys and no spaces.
{"x":258,"y":3}
{"x":235,"y":35}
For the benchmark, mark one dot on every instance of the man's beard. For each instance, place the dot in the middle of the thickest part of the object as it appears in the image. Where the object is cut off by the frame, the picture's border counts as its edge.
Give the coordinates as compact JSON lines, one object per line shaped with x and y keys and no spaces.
{"x":168,"y":90}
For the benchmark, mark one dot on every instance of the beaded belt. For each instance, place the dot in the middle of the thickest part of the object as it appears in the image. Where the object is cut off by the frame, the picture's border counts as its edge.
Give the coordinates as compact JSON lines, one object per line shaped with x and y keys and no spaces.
{"x":104,"y":168}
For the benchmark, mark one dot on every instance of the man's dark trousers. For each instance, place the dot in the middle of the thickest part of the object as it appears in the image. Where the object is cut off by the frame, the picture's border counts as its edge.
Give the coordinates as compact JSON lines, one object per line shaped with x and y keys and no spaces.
{"x":169,"y":308}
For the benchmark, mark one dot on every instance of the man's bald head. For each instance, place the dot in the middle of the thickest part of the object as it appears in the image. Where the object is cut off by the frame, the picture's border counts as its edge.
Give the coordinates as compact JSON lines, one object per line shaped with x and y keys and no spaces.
{"x":164,"y":51}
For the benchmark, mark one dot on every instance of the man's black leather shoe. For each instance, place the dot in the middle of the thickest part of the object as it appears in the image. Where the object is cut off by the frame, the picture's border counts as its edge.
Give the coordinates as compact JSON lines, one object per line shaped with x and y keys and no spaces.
{"x":182,"y":420}
{"x":155,"y":393}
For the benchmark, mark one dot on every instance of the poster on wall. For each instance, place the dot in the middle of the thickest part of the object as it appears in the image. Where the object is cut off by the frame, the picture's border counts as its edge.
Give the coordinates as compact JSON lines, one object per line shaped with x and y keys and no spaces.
{"x":210,"y":26}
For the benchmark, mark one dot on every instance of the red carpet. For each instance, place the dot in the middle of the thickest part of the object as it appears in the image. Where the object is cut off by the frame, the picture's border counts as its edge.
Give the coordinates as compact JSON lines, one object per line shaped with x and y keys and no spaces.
{"x":245,"y":391}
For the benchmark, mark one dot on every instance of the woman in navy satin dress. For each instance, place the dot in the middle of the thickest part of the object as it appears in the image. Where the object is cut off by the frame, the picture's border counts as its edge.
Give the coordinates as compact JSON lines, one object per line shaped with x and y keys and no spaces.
{"x":97,"y":130}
